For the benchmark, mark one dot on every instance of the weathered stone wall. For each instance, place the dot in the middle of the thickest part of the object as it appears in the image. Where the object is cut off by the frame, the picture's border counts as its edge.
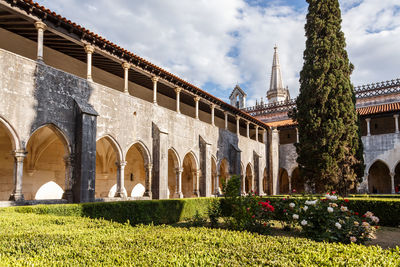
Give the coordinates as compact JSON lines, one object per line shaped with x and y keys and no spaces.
{"x":34,"y":94}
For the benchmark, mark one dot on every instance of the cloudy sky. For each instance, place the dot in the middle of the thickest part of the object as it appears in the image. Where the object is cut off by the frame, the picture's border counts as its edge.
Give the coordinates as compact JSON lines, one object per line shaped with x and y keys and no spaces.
{"x":215,"y":44}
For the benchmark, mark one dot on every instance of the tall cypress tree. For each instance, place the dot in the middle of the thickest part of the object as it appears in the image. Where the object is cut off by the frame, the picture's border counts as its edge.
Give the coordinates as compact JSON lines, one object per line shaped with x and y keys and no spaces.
{"x":329,"y":143}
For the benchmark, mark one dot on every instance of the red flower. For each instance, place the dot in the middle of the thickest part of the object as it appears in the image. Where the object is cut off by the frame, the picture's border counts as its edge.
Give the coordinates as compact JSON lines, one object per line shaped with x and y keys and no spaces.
{"x":364,"y":216}
{"x":346,"y":200}
{"x":265,"y":224}
{"x":284,"y":210}
{"x":294,"y":190}
{"x":333,"y":192}
{"x":355,"y":213}
{"x":376,"y":227}
{"x":253,"y":216}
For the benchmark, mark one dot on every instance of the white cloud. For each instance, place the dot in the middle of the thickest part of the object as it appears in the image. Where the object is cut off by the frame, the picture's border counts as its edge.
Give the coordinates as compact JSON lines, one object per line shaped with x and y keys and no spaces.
{"x":227,"y":41}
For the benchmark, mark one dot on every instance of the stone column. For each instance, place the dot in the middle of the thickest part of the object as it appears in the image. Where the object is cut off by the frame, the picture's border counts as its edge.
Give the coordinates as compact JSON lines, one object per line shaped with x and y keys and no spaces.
{"x":196,"y":101}
{"x":392,"y":174}
{"x":126,"y":67}
{"x":274,"y":153}
{"x":297,"y":135}
{"x":196,"y":179}
{"x":120,"y":179}
{"x":178,"y":186}
{"x":396,"y":122}
{"x":243,"y":184}
{"x":155,"y":80}
{"x":264,"y":136}
{"x":68,"y":161}
{"x":212,"y":114}
{"x":368,"y":120}
{"x":217,"y":184}
{"x":40,"y":27}
{"x":290,"y":183}
{"x":257,"y":133}
{"x":248,"y":129}
{"x":238,"y":125}
{"x":89,"y":51}
{"x":226,"y":120}
{"x":19,"y":156}
{"x":149,"y":177}
{"x":178,"y":92}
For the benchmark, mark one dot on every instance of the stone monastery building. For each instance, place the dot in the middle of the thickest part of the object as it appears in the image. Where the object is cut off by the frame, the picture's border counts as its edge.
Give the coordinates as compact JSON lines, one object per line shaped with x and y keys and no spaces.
{"x":82,"y":119}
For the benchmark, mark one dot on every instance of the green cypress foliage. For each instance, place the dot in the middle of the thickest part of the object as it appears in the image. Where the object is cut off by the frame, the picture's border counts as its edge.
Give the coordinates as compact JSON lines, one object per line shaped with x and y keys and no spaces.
{"x":329,"y":142}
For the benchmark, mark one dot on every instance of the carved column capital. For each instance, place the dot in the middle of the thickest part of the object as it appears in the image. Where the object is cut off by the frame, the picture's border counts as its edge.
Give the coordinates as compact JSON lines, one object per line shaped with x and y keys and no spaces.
{"x":126,"y":65}
{"x":39,"y":25}
{"x":179,"y":170}
{"x":178,"y":89}
{"x":19,"y":155}
{"x":155,"y":79}
{"x":196,"y":98}
{"x":89,"y":49}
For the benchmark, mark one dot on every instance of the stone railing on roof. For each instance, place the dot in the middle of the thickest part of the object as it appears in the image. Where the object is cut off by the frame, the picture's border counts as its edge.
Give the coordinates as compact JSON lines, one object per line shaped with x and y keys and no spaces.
{"x":377,"y":89}
{"x":362,"y":91}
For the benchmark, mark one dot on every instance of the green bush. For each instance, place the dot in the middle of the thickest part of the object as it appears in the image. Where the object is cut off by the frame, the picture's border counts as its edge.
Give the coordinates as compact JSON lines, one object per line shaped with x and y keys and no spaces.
{"x":50,"y":240}
{"x":136,"y":212}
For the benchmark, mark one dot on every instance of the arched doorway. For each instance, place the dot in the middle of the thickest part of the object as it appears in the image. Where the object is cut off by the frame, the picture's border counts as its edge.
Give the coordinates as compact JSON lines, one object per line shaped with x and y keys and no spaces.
{"x":297,"y":181}
{"x":45,"y":164}
{"x":214,"y":180}
{"x":248,"y":185}
{"x":108,"y":155}
{"x":223,"y":173}
{"x":189,"y":176}
{"x":397,"y":178}
{"x":137,"y":159}
{"x":173,"y":173}
{"x":283,"y":182}
{"x":379,"y":181}
{"x":6,"y":163}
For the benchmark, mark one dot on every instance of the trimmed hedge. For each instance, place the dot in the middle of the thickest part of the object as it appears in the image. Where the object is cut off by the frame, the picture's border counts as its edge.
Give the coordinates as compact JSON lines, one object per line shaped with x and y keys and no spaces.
{"x":49,"y":240}
{"x":139,"y":211}
{"x":175,"y":210}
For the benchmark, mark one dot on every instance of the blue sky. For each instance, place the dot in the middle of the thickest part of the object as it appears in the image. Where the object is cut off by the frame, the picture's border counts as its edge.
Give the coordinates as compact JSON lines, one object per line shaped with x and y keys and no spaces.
{"x":215,"y":44}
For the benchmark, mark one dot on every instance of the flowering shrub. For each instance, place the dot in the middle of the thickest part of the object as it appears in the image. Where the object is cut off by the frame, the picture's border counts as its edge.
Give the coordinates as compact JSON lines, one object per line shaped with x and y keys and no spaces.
{"x":330,"y":220}
{"x":246,"y":212}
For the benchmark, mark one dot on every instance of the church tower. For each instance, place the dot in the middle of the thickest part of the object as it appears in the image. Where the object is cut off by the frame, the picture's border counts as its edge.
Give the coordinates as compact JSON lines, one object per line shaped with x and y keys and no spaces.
{"x":277,"y":92}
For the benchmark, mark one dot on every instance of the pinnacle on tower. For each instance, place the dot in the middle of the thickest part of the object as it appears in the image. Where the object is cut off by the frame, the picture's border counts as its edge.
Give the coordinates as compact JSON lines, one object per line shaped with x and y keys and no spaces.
{"x":276,"y":90}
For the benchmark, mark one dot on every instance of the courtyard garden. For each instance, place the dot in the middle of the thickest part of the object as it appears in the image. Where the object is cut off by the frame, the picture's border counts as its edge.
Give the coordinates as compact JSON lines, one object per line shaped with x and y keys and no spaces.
{"x":233,"y":230}
{"x":30,"y":239}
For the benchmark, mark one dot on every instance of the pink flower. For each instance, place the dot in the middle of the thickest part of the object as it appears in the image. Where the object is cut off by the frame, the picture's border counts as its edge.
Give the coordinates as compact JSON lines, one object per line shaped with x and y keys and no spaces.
{"x":253,"y":216}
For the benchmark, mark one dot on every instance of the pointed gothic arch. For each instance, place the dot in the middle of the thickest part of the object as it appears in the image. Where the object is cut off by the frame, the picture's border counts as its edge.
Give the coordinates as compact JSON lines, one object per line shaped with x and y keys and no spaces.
{"x":137,"y":159}
{"x":108,"y":154}
{"x":379,"y":180}
{"x":45,"y":164}
{"x":189,"y":175}
{"x":9,"y":142}
{"x":283,"y":181}
{"x":248,"y":185}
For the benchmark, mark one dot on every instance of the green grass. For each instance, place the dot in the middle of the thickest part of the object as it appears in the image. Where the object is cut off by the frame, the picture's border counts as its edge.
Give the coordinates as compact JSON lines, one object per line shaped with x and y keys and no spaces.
{"x":28,"y":239}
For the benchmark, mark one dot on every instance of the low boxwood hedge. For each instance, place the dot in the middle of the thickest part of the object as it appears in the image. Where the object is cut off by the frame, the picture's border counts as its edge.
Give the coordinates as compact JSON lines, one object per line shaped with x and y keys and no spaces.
{"x":139,"y":211}
{"x":175,"y":210}
{"x":49,"y":240}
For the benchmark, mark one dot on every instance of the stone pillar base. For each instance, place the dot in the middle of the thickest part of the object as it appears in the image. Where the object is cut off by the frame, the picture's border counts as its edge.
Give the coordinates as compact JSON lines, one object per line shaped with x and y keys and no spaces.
{"x":17,"y":197}
{"x":68,"y":196}
{"x":178,"y":195}
{"x":120,"y":195}
{"x":148,"y":194}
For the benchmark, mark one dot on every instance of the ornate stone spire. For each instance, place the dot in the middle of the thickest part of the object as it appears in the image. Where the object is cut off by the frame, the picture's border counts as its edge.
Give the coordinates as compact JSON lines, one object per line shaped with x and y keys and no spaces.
{"x":276,"y":90}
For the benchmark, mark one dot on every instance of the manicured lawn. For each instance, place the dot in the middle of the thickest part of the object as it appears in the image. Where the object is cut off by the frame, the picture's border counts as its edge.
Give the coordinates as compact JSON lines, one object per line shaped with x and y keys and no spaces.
{"x":32,"y":239}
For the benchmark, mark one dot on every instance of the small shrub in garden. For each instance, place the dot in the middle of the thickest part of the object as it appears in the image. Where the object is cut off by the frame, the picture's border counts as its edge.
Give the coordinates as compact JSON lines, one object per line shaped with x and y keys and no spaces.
{"x":329,"y":220}
{"x":246,"y":212}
